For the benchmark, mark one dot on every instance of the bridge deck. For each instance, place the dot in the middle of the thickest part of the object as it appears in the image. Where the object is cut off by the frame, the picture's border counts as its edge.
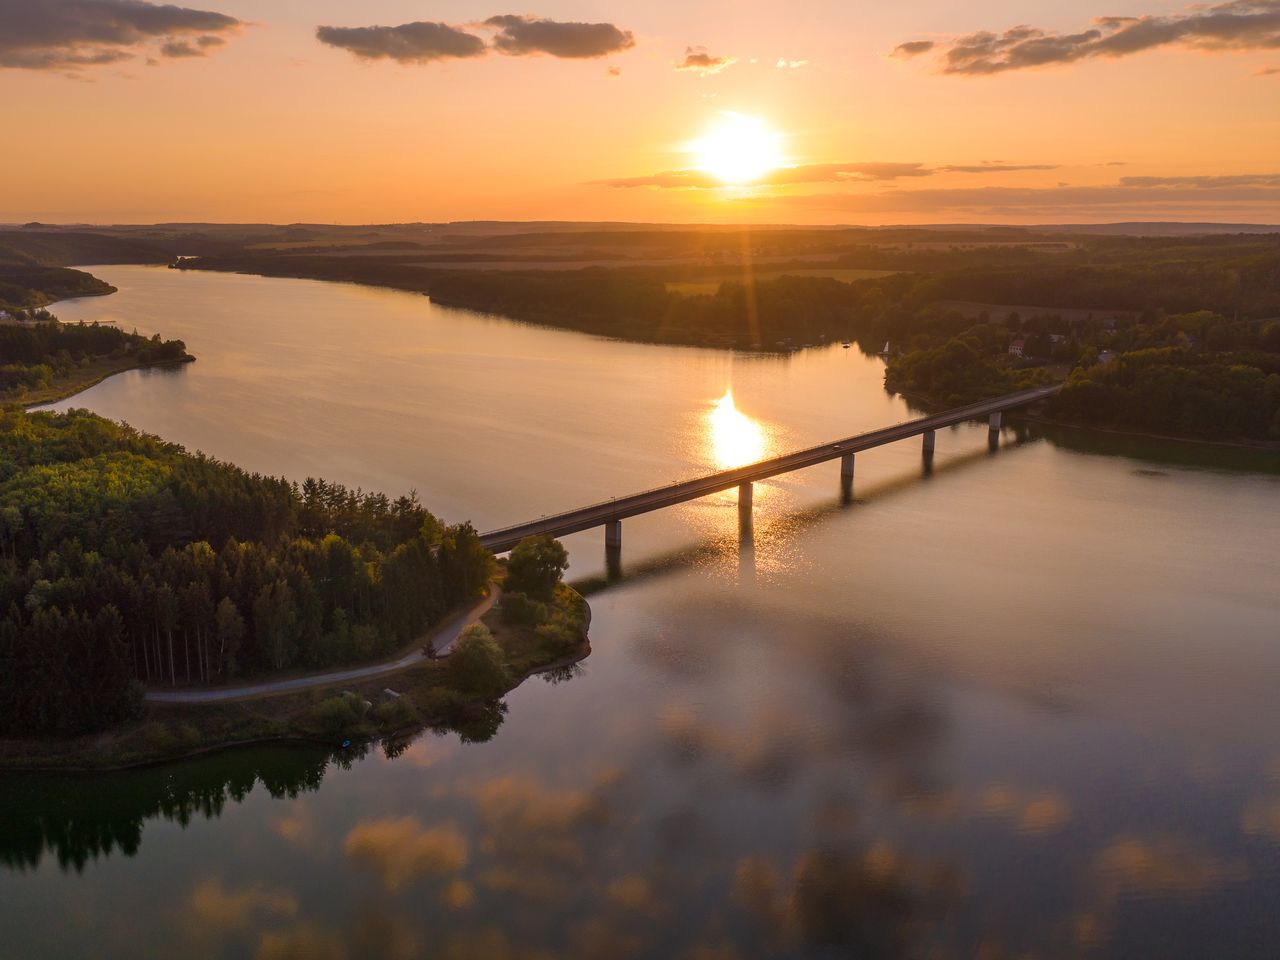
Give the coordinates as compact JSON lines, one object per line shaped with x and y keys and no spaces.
{"x":597,"y":514}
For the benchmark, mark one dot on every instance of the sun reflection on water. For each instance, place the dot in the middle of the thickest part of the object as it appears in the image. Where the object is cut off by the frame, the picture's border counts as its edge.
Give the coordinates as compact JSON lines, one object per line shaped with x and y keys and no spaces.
{"x":736,"y":439}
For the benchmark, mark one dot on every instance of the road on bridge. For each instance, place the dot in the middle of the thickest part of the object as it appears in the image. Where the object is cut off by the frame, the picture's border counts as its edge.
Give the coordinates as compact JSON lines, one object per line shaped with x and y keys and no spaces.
{"x":598,"y":514}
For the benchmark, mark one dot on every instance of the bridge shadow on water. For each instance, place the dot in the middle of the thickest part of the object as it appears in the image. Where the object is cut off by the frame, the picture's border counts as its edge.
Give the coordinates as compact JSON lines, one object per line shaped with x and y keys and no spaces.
{"x":792,"y":523}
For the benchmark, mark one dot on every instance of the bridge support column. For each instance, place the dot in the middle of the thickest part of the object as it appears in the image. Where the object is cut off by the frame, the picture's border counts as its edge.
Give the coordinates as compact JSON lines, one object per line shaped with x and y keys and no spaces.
{"x":995,"y":421}
{"x":745,"y":497}
{"x":613,"y":550}
{"x":846,"y":477}
{"x":930,"y":441}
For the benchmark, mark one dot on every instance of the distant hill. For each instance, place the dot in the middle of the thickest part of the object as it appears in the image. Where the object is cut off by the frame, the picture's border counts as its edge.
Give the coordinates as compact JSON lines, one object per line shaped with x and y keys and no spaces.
{"x":58,"y":249}
{"x":33,"y":265}
{"x":1158,"y":228}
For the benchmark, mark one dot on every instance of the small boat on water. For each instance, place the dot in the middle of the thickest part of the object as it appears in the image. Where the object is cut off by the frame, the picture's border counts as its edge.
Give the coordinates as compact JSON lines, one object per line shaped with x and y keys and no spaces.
{"x":885,"y":351}
{"x":845,"y":344}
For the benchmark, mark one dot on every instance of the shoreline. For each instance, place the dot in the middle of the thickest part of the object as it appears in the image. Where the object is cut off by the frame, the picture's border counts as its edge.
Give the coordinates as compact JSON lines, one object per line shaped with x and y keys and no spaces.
{"x":299,"y":739}
{"x":58,"y":393}
{"x":82,"y":749}
{"x":927,"y":405}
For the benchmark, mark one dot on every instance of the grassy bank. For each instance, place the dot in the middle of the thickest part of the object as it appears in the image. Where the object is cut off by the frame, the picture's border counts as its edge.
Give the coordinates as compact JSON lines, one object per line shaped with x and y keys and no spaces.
{"x":90,"y":375}
{"x":428,"y":695}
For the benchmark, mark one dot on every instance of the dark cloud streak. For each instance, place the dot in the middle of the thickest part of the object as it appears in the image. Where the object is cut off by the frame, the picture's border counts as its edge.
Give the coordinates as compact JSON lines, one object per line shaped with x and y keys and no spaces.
{"x":816,"y":173}
{"x":69,"y":34}
{"x":804,"y":173}
{"x":1235,"y":25}
{"x":912,"y":48}
{"x":418,"y":42}
{"x":520,"y":36}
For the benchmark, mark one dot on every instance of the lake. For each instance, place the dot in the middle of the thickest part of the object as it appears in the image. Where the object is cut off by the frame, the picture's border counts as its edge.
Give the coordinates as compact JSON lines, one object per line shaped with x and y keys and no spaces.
{"x":1019,"y":704}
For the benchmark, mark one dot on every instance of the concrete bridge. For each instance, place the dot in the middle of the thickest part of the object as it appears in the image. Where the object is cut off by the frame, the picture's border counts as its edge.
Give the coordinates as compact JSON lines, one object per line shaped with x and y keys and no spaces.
{"x":611,"y":513}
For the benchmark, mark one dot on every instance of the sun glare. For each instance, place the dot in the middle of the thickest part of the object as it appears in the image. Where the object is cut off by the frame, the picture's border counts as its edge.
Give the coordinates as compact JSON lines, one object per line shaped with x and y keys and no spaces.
{"x":736,"y":439}
{"x":738,"y":149}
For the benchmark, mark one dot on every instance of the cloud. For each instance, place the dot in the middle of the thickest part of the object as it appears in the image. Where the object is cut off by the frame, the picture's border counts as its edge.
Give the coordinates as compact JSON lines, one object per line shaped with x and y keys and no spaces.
{"x":912,"y":48}
{"x":1165,"y":866}
{"x":216,"y":909}
{"x":996,"y":167}
{"x":803,"y":173}
{"x":1210,"y":199}
{"x":418,"y":42}
{"x":403,"y":851}
{"x":1262,"y":818}
{"x":817,"y":173}
{"x":1206,"y":183}
{"x":185,"y":48}
{"x":1235,"y":25}
{"x":70,"y":34}
{"x":520,"y":36}
{"x":698,"y":59}
{"x":1033,"y":813}
{"x":1268,"y":72}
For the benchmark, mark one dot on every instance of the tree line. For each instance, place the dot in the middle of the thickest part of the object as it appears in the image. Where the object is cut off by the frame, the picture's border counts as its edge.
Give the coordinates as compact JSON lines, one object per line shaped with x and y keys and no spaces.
{"x":124,"y":559}
{"x":39,"y":349}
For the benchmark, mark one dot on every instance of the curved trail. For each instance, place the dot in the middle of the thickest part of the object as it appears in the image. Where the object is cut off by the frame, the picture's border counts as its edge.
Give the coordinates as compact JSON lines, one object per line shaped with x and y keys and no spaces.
{"x":440,"y":640}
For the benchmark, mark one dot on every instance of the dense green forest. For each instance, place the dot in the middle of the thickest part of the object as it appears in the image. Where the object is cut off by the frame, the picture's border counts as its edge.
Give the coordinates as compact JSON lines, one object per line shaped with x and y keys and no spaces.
{"x":1180,"y":392}
{"x":126,"y":559}
{"x":1199,"y":375}
{"x":38,"y":351}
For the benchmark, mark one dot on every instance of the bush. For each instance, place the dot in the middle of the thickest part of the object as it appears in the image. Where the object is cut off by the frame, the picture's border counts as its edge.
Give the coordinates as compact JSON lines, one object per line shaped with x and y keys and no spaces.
{"x":394,"y":714}
{"x":517,"y":608}
{"x":556,"y":638}
{"x":337,"y":715}
{"x":159,"y":738}
{"x":476,"y":665}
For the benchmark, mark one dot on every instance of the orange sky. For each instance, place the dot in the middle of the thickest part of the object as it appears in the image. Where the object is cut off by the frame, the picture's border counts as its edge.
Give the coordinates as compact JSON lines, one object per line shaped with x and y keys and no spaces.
{"x":271,"y":124}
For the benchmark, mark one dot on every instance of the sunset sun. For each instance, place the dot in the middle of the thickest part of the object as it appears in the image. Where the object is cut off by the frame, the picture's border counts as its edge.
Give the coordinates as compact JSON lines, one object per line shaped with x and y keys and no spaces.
{"x":738,"y":149}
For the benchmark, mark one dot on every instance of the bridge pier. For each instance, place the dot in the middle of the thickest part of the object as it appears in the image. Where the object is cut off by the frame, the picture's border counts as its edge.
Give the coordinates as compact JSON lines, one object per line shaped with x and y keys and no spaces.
{"x":930,"y":441}
{"x":846,"y":477}
{"x":995,"y":421}
{"x":745,"y":497}
{"x":613,"y":550}
{"x":746,"y":556}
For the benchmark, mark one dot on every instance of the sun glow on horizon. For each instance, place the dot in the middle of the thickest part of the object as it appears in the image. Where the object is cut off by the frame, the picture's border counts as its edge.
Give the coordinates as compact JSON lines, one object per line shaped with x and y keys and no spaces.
{"x":736,"y":439}
{"x":738,"y":149}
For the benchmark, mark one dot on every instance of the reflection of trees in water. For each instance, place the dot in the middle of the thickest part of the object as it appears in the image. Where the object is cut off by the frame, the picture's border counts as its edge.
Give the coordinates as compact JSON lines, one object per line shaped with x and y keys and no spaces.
{"x":81,"y":817}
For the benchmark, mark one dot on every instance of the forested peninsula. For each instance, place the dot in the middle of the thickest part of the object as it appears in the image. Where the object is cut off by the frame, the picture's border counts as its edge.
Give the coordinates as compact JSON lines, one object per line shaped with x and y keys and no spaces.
{"x":43,"y":360}
{"x":125,"y":561}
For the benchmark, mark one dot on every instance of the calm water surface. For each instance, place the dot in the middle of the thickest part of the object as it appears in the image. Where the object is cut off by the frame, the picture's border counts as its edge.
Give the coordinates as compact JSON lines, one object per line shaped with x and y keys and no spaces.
{"x":1022,"y":705}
